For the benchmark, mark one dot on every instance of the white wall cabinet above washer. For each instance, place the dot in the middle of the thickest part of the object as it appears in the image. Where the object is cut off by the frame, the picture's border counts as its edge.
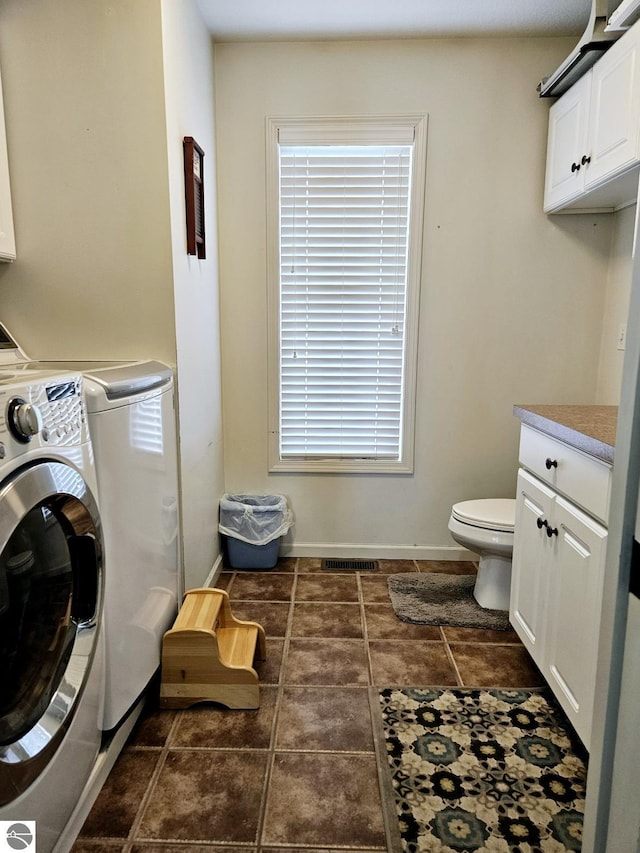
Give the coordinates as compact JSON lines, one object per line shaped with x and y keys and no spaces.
{"x":593,"y":149}
{"x":566,"y":145}
{"x":7,"y":237}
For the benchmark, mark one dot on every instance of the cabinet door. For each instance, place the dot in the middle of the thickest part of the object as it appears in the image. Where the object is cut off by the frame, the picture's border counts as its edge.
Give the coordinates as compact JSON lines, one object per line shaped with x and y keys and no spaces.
{"x":7,"y":241}
{"x":576,"y":567}
{"x":567,"y":142}
{"x":614,"y":119}
{"x":531,"y":546}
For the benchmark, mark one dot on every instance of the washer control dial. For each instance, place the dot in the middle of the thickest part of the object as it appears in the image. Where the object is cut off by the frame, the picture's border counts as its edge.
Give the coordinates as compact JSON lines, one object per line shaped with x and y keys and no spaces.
{"x":24,"y":419}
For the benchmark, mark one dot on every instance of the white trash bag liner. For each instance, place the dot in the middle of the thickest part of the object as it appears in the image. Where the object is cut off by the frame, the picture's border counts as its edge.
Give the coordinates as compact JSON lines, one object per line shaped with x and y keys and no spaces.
{"x":256,"y":519}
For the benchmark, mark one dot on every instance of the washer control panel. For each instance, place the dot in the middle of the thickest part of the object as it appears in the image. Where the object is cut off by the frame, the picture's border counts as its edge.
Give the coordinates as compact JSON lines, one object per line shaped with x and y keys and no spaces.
{"x":48,"y":412}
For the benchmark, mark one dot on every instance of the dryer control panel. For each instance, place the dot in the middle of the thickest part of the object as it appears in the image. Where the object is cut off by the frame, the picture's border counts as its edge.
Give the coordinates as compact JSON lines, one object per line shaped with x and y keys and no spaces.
{"x":49,"y":412}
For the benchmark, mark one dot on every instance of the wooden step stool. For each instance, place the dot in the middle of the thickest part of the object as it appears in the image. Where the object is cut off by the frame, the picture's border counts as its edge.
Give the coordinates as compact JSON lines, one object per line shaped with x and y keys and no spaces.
{"x":208,"y":654}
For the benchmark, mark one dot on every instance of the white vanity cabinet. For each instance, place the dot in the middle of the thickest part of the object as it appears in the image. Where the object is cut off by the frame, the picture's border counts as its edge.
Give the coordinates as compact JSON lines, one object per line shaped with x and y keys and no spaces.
{"x":558,"y":567}
{"x":7,"y":239}
{"x":593,"y":147}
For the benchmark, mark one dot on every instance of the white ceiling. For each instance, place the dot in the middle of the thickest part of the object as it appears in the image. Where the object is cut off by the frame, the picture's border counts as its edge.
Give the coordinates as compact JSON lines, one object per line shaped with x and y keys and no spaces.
{"x":245,"y":20}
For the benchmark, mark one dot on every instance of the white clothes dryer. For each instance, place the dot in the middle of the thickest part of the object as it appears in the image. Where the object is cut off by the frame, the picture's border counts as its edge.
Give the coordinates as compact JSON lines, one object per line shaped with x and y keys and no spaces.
{"x":131,"y":415}
{"x":51,"y":594}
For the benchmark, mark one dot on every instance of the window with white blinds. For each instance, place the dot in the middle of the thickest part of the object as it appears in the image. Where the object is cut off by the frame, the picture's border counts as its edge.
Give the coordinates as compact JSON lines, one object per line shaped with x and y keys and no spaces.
{"x":346,"y":294}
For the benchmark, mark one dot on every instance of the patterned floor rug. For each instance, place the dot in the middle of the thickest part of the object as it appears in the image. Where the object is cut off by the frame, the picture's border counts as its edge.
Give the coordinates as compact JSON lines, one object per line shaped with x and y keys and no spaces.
{"x":492,"y":771}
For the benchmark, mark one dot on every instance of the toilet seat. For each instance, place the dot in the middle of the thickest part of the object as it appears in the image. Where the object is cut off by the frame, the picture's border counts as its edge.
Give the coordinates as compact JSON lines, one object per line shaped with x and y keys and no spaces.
{"x":486,"y":527}
{"x":489,"y":514}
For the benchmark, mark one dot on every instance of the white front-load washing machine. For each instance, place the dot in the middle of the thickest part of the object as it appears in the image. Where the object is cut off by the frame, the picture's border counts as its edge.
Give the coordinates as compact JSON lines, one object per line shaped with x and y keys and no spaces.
{"x":51,"y":594}
{"x":132,"y":424}
{"x":131,"y":418}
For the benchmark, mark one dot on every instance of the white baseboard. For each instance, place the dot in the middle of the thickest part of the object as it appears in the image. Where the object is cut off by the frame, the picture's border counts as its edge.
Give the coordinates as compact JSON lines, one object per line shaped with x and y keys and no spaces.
{"x":379,"y":552}
{"x":214,"y":574}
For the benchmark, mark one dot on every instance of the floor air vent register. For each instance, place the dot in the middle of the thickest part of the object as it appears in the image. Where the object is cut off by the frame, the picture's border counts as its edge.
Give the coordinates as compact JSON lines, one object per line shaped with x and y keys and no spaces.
{"x":350,"y":565}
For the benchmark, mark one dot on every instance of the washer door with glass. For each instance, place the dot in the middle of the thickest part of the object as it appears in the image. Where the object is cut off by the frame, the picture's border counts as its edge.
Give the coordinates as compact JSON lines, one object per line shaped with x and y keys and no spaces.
{"x":50,"y":601}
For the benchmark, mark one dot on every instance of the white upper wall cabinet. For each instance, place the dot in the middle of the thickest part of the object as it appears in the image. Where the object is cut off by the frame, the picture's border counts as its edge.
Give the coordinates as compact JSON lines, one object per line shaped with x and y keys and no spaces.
{"x":7,"y":238}
{"x":614,"y":119}
{"x":568,"y":120}
{"x":593,"y":150}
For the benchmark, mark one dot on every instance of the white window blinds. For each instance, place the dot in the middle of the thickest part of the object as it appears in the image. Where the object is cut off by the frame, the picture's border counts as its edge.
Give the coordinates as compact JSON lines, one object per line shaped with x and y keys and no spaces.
{"x":344,"y":225}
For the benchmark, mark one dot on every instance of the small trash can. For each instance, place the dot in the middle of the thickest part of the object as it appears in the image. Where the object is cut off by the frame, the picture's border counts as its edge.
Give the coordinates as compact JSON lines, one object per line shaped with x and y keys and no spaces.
{"x":252,"y":526}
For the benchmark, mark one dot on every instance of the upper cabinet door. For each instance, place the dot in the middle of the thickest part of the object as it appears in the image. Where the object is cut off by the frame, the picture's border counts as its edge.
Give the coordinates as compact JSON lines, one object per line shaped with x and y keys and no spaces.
{"x":567,"y":141}
{"x":614,"y":119}
{"x":593,"y":152}
{"x":7,"y":238}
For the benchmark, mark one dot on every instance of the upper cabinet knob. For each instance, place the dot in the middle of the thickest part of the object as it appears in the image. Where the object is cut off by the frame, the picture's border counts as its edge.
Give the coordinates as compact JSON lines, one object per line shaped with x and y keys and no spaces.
{"x":575,"y":167}
{"x":585,"y":159}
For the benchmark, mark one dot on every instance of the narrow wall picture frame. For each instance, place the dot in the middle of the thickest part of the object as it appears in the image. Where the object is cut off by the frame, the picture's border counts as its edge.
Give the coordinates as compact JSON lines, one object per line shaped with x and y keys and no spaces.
{"x":194,"y":197}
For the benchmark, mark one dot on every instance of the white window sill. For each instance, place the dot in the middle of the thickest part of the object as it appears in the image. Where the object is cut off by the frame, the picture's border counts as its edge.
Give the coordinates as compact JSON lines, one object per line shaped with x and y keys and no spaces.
{"x":341,"y":466}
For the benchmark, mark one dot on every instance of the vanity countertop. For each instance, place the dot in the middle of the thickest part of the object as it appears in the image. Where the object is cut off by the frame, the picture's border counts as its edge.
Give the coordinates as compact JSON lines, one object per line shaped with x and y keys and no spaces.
{"x":591,"y":429}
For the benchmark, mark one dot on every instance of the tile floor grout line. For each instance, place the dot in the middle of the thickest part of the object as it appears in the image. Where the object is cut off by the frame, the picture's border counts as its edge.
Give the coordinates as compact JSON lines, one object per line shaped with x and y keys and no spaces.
{"x":380,"y":770}
{"x":289,"y":750}
{"x":250,"y":749}
{"x":365,"y":631}
{"x":271,"y":755}
{"x":325,"y":603}
{"x":160,"y":843}
{"x":294,"y":845}
{"x":264,"y":796}
{"x":452,"y":660}
{"x":229,"y":587}
{"x":288,"y":627}
{"x":334,"y":848}
{"x":153,"y":781}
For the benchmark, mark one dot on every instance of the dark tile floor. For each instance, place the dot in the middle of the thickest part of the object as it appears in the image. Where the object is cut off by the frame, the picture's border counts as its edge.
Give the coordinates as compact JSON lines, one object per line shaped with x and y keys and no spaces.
{"x":300,"y":772}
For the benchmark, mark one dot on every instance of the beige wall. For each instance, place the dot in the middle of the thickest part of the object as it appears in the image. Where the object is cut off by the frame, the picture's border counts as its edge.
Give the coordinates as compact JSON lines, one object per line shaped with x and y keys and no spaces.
{"x":98,"y":97}
{"x":618,"y":292}
{"x":188,"y":68}
{"x":86,"y":136}
{"x":512,"y":300}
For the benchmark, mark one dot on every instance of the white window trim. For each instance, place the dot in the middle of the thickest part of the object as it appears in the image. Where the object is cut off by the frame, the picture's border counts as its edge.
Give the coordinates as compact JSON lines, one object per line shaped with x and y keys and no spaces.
{"x":354,"y":130}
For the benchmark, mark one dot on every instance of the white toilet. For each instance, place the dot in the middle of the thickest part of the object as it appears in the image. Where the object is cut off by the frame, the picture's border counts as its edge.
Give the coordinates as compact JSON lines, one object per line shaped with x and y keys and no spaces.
{"x":486,"y":527}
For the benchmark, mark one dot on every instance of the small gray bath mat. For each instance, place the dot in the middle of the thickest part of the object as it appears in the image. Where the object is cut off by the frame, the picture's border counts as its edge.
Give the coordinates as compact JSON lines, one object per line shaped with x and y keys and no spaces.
{"x":439,"y":599}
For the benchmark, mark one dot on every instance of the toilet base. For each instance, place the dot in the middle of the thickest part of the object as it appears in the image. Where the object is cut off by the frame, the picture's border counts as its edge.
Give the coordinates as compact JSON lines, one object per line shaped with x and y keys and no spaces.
{"x":493,"y":584}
